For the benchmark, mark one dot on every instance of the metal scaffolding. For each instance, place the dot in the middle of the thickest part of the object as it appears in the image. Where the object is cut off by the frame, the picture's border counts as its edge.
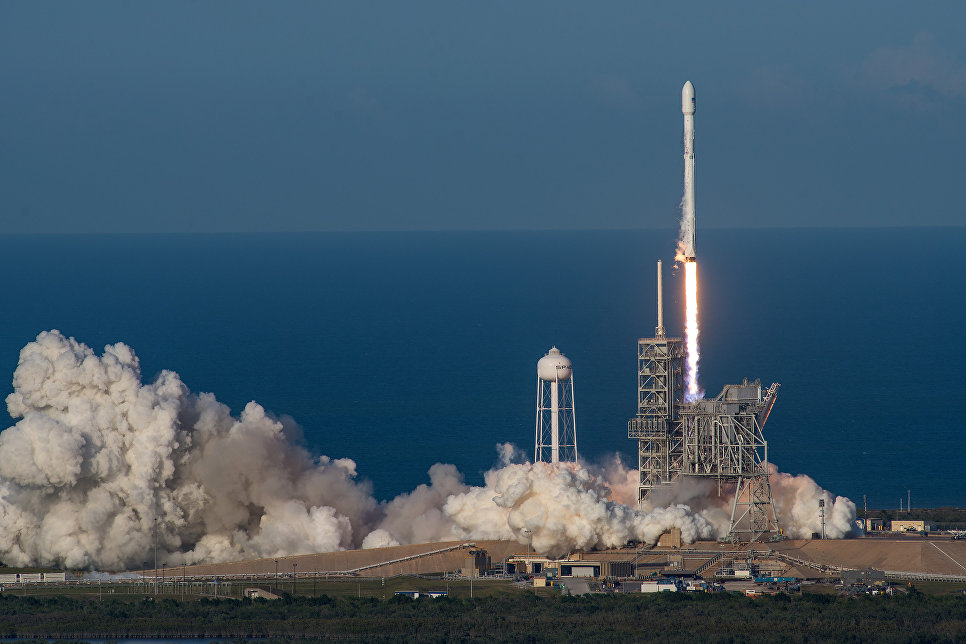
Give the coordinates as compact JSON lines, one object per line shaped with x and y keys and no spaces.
{"x":723,"y":440}
{"x":660,"y":391}
{"x":720,"y":438}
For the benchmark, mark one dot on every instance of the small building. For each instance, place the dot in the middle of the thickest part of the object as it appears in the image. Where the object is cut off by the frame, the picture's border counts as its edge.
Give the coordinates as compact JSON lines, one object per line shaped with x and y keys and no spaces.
{"x":583,"y":569}
{"x":475,"y":561}
{"x":913,"y":526}
{"x":660,"y":586}
{"x":573,"y":566}
{"x":872,"y":524}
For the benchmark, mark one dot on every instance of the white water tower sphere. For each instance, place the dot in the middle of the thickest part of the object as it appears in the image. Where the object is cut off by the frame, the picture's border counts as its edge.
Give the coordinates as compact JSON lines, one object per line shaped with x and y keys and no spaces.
{"x":554,"y":366}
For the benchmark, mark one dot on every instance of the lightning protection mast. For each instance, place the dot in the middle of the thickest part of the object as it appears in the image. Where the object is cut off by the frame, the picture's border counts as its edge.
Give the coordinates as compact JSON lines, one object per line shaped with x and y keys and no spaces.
{"x":556,"y":427}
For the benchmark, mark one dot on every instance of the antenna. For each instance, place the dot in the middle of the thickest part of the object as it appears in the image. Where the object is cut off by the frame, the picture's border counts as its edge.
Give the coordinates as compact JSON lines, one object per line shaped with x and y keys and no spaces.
{"x":659,"y":331}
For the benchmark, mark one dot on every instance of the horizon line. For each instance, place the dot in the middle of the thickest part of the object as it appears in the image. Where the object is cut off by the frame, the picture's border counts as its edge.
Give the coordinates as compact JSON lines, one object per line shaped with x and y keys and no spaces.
{"x":466,"y":230}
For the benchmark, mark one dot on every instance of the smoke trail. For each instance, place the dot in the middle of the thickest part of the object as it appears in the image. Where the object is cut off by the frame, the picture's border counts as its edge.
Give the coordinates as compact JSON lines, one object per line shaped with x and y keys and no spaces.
{"x":100,"y":462}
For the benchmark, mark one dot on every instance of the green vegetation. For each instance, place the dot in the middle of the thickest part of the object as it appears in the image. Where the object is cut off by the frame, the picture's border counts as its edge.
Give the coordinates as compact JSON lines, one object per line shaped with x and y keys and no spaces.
{"x":505,"y":614}
{"x":365,"y":587}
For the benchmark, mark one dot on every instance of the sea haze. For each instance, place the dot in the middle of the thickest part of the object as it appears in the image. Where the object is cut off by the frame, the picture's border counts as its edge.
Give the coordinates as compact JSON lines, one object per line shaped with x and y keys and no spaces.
{"x":400,"y":350}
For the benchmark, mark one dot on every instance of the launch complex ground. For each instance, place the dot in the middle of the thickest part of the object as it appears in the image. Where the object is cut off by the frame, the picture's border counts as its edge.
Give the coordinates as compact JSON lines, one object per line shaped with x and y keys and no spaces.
{"x":899,"y":558}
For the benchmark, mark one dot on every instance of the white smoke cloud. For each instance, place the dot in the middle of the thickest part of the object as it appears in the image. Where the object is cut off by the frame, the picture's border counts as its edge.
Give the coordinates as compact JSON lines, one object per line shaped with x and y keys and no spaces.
{"x":554,"y":508}
{"x":100,"y":462}
{"x":796,"y":500}
{"x":417,"y":516}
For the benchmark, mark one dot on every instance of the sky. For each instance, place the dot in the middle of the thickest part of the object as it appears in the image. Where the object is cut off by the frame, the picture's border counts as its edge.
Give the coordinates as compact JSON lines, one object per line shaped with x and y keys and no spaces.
{"x":145,"y":117}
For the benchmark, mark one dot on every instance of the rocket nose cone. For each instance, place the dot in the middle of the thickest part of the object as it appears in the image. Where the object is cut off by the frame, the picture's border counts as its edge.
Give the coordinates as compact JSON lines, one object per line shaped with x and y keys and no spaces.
{"x":687,"y":98}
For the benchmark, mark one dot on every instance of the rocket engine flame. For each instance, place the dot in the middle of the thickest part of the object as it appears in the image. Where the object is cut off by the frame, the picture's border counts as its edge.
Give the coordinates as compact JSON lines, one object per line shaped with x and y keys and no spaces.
{"x":693,"y":391}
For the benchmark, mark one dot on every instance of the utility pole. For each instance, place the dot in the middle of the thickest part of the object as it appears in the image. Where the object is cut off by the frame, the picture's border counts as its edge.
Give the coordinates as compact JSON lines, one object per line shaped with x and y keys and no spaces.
{"x":276,"y":575}
{"x":294,"y":566}
{"x":155,"y":555}
{"x":908,"y":500}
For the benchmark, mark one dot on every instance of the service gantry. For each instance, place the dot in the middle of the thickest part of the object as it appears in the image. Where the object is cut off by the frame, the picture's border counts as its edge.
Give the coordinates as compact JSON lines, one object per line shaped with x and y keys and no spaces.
{"x":720,"y":438}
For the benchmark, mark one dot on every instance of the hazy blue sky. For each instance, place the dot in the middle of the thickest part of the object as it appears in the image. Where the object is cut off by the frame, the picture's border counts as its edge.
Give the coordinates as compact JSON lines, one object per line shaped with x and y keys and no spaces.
{"x":257,"y":116}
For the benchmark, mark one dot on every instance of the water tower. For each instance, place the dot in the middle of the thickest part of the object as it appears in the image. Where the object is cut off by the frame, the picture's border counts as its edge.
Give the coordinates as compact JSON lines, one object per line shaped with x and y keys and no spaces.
{"x":556,"y":431}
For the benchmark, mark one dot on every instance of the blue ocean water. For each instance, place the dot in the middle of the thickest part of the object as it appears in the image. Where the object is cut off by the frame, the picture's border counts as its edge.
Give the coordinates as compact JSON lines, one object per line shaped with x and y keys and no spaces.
{"x":401,"y":350}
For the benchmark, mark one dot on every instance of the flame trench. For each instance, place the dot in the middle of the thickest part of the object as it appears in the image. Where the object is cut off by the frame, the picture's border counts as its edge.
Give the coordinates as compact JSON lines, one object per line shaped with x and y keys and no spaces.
{"x":692,"y":392}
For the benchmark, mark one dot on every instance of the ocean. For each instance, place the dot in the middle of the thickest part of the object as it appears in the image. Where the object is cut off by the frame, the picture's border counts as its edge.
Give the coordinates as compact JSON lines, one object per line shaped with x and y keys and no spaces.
{"x":400,"y":350}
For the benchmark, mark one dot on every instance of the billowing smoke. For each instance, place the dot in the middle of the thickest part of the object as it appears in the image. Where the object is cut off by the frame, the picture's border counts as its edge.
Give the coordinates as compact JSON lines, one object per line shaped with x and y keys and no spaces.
{"x":100,"y":465}
{"x":796,"y":504}
{"x":796,"y":499}
{"x":559,"y":509}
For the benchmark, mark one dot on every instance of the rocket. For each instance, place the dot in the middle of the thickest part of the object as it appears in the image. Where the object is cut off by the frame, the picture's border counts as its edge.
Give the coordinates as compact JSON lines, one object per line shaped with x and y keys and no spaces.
{"x":687,"y":203}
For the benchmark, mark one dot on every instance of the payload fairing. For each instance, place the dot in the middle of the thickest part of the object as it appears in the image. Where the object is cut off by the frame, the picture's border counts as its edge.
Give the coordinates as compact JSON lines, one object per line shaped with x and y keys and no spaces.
{"x":687,"y":203}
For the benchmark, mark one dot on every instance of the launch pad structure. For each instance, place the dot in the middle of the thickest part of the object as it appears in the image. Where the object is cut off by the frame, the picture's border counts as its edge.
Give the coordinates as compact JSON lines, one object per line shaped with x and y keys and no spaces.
{"x":720,"y":439}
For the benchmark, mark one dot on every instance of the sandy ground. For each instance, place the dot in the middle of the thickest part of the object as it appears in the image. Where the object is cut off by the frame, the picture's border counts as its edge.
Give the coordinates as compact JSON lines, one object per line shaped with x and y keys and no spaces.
{"x":908,"y":554}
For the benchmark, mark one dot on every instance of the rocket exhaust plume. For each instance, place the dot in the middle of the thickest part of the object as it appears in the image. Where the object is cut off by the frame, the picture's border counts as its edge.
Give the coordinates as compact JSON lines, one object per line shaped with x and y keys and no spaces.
{"x":691,"y":331}
{"x":686,"y":246}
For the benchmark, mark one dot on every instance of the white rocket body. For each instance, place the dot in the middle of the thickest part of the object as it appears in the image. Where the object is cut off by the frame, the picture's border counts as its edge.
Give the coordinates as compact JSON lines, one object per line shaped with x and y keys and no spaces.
{"x":687,"y":203}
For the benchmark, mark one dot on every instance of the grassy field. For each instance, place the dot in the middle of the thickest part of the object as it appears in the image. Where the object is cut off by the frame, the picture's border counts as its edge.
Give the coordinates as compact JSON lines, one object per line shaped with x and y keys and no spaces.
{"x":367,"y":587}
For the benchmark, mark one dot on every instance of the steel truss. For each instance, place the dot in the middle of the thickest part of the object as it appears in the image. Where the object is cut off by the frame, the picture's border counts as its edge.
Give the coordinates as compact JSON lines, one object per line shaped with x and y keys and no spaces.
{"x":720,"y":438}
{"x":566,"y":421}
{"x":660,"y":391}
{"x":723,"y":440}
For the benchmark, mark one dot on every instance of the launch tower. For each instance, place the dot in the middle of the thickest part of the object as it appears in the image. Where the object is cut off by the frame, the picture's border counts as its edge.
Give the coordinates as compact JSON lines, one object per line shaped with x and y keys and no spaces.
{"x":660,"y":393}
{"x":721,"y":438}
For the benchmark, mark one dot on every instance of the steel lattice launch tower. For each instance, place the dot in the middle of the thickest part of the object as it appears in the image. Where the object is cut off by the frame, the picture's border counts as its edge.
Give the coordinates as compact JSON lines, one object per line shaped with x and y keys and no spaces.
{"x":687,"y":203}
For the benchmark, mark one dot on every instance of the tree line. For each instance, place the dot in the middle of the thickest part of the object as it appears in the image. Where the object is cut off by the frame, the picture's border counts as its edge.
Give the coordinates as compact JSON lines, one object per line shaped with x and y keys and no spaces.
{"x":665,"y":617}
